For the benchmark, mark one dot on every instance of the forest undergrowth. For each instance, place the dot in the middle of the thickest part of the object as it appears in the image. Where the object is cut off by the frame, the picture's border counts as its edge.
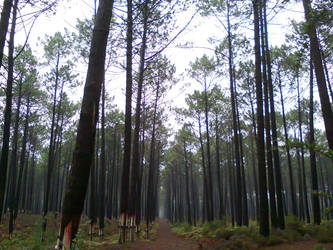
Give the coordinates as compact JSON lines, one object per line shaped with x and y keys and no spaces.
{"x":28,"y":230}
{"x":220,"y":234}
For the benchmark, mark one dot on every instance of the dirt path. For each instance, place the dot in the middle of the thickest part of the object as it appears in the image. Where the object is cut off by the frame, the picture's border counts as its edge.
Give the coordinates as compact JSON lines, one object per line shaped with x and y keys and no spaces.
{"x":165,"y":240}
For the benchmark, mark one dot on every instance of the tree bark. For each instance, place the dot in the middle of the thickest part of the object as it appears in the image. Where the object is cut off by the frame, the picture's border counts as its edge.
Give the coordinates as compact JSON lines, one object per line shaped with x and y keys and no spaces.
{"x":9,"y":96}
{"x":320,"y":76}
{"x":83,"y":153}
{"x":264,"y":218}
{"x":102,"y":171}
{"x":217,"y":145}
{"x":315,"y":189}
{"x":305,"y":192}
{"x":22,"y":159}
{"x":275,"y":149}
{"x":188,"y":215}
{"x":290,"y":168}
{"x":124,"y":206}
{"x":134,"y":195}
{"x":238,"y":198}
{"x":209,"y":168}
{"x":4,"y":21}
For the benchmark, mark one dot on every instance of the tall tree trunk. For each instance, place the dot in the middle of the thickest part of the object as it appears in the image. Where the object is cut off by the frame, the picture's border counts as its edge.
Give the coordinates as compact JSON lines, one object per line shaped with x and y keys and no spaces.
{"x":22,"y":159}
{"x":305,"y":192}
{"x":4,"y":21}
{"x":238,"y":192}
{"x":209,"y":168}
{"x":290,"y":168}
{"x":264,"y":217}
{"x":315,"y":189}
{"x":83,"y":153}
{"x":150,"y":187}
{"x":245,"y":213}
{"x":188,"y":215}
{"x":25,"y":182}
{"x":124,"y":206}
{"x":193,"y":193}
{"x":217,"y":146}
{"x":50,"y":162}
{"x":205,"y":203}
{"x":253,"y":135}
{"x":134,"y":195}
{"x":277,"y":166}
{"x":9,"y":96}
{"x":300,"y":185}
{"x":271,"y":182}
{"x":320,"y":76}
{"x":102,"y":171}
{"x":13,"y":162}
{"x":139,"y":187}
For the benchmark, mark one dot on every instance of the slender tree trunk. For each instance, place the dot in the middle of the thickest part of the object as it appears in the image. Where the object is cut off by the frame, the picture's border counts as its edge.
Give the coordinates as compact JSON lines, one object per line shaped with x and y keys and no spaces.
{"x":254,"y":134}
{"x":4,"y":21}
{"x":320,"y":76}
{"x":32,"y":176}
{"x":300,"y":185}
{"x":9,"y":94}
{"x":264,"y":218}
{"x":25,"y":183}
{"x":238,"y":207}
{"x":205,"y":188}
{"x":193,"y":194}
{"x":245,"y":213}
{"x":150,"y":197}
{"x":13,"y":159}
{"x":315,"y":189}
{"x":124,"y":206}
{"x":277,"y":167}
{"x":188,"y":215}
{"x":209,"y":168}
{"x":83,"y":153}
{"x":217,"y":145}
{"x":22,"y":159}
{"x":231,"y":184}
{"x":134,"y":195}
{"x":305,"y":192}
{"x":271,"y":182}
{"x":290,"y":168}
{"x":139,"y":187}
{"x":50,"y":162}
{"x":102,"y":172}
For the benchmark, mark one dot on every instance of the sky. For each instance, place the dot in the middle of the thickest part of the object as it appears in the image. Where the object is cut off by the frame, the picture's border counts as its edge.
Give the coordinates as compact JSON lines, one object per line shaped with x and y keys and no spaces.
{"x":200,"y":29}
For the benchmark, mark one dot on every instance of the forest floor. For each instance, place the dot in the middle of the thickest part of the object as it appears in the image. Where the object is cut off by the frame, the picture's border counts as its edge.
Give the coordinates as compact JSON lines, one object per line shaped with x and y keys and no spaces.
{"x":163,"y":236}
{"x":296,"y":236}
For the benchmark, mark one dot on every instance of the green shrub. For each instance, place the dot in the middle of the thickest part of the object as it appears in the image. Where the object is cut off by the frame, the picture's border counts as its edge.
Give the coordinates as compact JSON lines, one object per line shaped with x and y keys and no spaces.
{"x":187,"y":228}
{"x":293,"y":224}
{"x":224,"y":233}
{"x":274,"y":240}
{"x":319,"y":247}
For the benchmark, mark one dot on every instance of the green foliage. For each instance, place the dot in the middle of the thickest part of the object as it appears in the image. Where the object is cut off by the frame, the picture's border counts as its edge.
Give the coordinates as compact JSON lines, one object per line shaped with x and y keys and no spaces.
{"x":228,"y":237}
{"x":30,"y":238}
{"x":319,"y":247}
